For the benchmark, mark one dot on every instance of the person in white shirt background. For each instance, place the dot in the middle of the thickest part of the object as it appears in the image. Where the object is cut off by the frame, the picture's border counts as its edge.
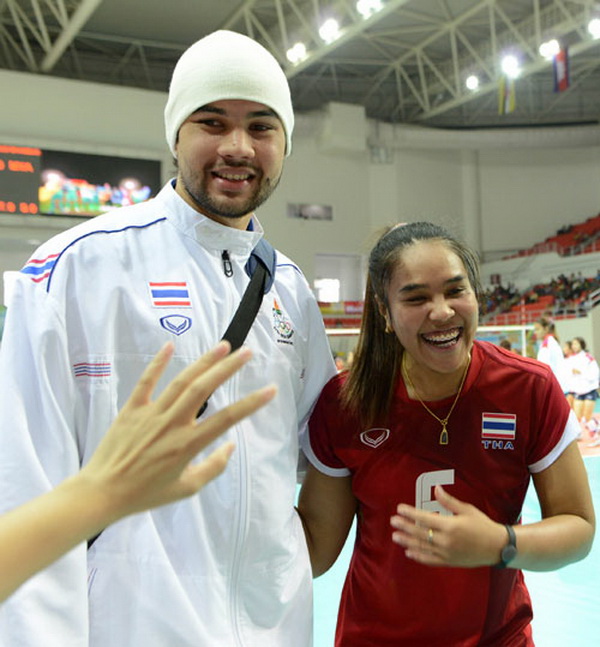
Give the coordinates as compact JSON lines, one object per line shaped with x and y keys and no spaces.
{"x":567,"y":349}
{"x":550,"y":351}
{"x":586,"y":380}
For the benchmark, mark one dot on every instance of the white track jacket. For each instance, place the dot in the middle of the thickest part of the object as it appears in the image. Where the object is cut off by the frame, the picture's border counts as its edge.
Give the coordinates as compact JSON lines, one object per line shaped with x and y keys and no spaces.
{"x":228,"y":567}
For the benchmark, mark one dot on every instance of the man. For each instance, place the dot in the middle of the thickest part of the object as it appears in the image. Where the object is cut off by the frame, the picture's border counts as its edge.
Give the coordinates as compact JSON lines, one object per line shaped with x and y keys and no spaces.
{"x":229,"y":567}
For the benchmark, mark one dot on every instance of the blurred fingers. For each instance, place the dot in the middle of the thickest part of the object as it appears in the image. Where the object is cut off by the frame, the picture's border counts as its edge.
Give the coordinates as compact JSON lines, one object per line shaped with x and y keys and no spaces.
{"x":198,"y":391}
{"x":197,"y":476}
{"x":180,"y":384}
{"x":145,"y":386}
{"x":219,"y":422}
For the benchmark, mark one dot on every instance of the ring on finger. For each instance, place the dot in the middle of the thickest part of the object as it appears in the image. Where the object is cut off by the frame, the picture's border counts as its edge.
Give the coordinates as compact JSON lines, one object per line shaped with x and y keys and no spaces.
{"x":430,"y":536}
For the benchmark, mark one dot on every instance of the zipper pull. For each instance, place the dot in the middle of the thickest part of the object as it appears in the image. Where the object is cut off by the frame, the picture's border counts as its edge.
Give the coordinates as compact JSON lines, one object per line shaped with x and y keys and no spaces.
{"x":227,"y":266}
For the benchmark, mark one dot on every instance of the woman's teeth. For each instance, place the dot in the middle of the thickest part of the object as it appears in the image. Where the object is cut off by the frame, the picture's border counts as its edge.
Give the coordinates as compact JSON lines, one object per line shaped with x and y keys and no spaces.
{"x":443,"y":339}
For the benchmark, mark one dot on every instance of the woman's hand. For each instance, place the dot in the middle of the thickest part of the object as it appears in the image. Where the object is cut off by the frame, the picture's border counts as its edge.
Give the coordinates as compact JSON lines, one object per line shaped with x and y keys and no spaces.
{"x":466,"y":538}
{"x":469,"y":538}
{"x":144,"y":459}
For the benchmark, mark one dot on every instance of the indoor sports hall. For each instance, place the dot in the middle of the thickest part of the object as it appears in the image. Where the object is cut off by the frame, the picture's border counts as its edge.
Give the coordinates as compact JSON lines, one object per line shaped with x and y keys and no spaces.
{"x":482,"y":116}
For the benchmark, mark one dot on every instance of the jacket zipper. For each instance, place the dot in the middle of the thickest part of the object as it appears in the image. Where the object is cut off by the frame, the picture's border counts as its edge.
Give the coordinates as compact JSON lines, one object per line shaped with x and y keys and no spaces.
{"x":239,"y":528}
{"x":227,"y":266}
{"x":240,"y":536}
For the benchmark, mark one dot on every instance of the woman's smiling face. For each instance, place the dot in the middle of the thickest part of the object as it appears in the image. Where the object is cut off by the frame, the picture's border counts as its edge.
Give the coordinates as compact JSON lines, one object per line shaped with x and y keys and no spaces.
{"x":432,"y":308}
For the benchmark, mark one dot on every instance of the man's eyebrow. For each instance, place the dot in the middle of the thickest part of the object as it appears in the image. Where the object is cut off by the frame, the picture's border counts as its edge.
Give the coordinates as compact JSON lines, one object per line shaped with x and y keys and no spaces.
{"x":411,"y":287}
{"x":267,"y":112}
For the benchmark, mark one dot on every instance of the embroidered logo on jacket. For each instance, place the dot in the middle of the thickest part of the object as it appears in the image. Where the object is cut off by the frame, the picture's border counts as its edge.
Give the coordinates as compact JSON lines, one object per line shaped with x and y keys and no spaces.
{"x":282,"y":325}
{"x":498,"y":430}
{"x":176,"y":324}
{"x":374,"y":437}
{"x":92,"y":369}
{"x":173,"y":294}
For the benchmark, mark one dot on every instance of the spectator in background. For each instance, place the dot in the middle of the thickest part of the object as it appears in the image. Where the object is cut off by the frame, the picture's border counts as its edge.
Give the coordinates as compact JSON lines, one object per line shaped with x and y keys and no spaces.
{"x":505,"y":343}
{"x":586,"y":376}
{"x":549,"y":351}
{"x":340,"y":364}
{"x":568,"y":354}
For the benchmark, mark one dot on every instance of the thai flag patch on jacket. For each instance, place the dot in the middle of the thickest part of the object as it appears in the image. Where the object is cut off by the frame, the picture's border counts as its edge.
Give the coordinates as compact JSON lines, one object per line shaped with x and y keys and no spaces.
{"x":39,"y":269}
{"x":173,"y":294}
{"x":498,"y":426}
{"x":92,"y":369}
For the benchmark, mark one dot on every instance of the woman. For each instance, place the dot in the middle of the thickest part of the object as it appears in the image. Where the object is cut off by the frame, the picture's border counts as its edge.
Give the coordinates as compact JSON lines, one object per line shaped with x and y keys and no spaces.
{"x":438,"y":435}
{"x":586,"y":374}
{"x":550,"y":352}
{"x":142,"y":462}
{"x":568,"y":354}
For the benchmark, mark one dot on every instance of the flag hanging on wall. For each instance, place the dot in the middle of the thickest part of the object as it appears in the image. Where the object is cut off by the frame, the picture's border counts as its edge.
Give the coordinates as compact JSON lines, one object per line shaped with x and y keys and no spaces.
{"x":560,"y":63}
{"x":506,"y":96}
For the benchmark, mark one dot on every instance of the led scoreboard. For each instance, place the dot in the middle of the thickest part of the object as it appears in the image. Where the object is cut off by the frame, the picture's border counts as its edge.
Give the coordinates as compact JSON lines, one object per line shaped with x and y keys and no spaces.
{"x":19,"y":179}
{"x":58,"y":183}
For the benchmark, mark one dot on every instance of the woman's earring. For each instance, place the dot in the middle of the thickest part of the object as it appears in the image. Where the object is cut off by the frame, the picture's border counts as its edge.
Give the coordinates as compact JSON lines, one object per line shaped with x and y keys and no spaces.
{"x":388,"y":328}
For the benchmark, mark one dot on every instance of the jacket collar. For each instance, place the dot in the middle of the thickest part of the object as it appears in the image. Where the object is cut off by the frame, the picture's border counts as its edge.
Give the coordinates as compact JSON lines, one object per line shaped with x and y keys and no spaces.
{"x":208,"y":233}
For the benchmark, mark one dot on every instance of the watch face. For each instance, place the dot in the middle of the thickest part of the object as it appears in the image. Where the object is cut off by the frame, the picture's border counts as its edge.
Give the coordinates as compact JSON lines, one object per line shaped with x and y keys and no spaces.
{"x":509,"y":553}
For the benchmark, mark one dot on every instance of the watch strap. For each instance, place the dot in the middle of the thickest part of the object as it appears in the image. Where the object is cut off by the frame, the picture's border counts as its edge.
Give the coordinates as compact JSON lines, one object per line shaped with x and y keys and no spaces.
{"x":509,"y":552}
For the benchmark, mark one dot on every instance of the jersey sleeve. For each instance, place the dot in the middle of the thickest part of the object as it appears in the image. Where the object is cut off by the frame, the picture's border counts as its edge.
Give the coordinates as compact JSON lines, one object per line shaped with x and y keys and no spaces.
{"x":557,"y":428}
{"x":39,"y":450}
{"x":319,"y":443}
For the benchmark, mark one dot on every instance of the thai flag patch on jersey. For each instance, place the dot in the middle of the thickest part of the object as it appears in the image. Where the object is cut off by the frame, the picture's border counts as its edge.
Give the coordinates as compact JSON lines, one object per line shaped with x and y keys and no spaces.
{"x":92,"y":369}
{"x":498,"y":426}
{"x":174,"y":294}
{"x":39,"y":269}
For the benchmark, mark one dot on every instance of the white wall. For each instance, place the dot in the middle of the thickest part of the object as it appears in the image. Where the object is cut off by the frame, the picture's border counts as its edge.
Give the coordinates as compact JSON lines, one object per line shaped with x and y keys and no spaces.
{"x":429,"y":187}
{"x":47,"y":112}
{"x":528,"y":194}
{"x":328,"y":178}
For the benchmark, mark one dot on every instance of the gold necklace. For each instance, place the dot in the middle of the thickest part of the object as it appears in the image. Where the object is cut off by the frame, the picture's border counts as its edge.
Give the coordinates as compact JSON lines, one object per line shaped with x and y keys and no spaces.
{"x":442,"y":421}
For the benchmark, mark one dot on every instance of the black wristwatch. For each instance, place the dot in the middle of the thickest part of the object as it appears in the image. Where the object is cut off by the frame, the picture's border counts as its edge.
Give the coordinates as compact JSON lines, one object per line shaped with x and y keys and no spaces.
{"x":509,"y":552}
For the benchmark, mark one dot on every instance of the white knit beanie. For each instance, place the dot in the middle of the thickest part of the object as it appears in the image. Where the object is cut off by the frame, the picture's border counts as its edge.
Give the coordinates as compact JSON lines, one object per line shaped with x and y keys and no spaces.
{"x":226,"y":65}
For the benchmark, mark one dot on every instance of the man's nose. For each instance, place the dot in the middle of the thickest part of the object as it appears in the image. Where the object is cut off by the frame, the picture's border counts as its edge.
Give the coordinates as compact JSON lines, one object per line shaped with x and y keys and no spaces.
{"x":236,"y":143}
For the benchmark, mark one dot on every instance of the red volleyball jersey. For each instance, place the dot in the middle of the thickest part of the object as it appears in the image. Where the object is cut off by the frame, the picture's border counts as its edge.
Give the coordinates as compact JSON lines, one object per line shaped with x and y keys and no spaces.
{"x":511,"y":420}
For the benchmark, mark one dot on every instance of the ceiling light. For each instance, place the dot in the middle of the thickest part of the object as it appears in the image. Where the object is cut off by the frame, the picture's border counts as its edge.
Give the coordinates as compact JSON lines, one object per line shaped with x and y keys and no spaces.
{"x":549,"y":49}
{"x":296,"y":53}
{"x":510,"y":66}
{"x":366,"y":8}
{"x":594,"y":27}
{"x":330,"y":30}
{"x":472,"y":82}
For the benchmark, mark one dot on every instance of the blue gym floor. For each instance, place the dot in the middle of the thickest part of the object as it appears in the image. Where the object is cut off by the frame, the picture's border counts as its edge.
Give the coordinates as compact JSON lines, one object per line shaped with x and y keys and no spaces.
{"x":566,"y":603}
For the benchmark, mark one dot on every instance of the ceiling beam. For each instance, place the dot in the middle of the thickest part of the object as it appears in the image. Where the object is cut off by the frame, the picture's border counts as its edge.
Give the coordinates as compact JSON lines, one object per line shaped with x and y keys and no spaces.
{"x":346,"y":35}
{"x":527,"y":70}
{"x":80,"y":16}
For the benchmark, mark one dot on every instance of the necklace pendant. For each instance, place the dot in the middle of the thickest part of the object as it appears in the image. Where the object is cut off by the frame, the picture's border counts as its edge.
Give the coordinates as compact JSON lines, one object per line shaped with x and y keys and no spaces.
{"x":444,"y":436}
